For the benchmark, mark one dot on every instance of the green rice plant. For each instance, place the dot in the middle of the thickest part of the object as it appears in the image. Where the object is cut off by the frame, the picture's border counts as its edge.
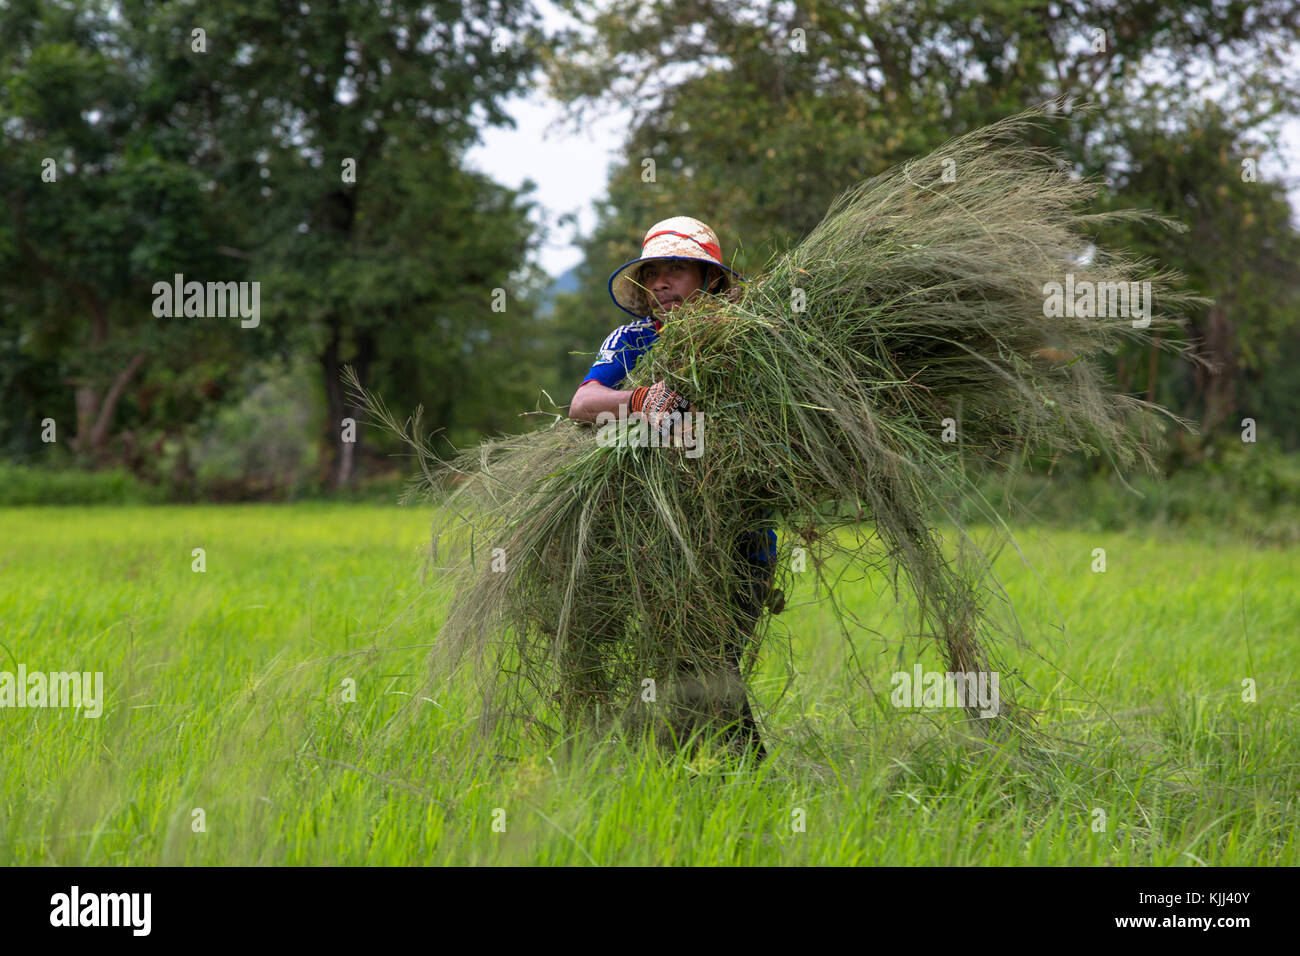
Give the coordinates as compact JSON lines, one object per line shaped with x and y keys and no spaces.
{"x":226,"y":691}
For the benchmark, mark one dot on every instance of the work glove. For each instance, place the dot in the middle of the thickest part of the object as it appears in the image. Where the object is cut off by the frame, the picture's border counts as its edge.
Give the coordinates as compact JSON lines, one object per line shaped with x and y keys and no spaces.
{"x":657,"y":402}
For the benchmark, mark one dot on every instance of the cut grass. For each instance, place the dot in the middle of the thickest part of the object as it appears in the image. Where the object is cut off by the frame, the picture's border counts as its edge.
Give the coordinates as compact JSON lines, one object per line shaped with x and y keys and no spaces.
{"x":828,"y":380}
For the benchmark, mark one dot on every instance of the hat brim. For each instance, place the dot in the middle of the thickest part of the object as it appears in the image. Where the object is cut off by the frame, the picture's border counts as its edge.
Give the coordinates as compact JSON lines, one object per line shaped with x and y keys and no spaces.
{"x":624,"y":302}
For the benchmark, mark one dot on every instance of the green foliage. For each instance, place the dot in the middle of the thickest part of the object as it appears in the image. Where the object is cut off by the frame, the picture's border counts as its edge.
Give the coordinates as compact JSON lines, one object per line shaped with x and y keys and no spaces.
{"x":754,"y":135}
{"x":227,"y":165}
{"x":1241,"y":249}
{"x":224,"y":692}
{"x":1246,"y":492}
{"x":261,"y":445}
{"x":24,"y":485}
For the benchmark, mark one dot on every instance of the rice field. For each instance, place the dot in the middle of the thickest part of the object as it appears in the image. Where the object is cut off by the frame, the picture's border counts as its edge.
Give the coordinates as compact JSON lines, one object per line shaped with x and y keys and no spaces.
{"x":248,"y":713}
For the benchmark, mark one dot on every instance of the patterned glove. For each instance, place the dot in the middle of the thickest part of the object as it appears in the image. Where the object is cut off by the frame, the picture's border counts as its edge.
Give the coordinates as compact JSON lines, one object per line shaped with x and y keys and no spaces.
{"x":657,"y":402}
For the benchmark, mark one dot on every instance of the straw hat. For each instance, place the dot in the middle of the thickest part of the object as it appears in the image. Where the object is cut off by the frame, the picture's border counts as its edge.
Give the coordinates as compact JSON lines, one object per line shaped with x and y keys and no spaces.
{"x":680,"y":237}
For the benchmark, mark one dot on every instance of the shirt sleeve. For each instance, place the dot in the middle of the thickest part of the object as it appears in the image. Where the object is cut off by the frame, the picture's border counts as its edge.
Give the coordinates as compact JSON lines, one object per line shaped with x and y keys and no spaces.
{"x":618,"y":353}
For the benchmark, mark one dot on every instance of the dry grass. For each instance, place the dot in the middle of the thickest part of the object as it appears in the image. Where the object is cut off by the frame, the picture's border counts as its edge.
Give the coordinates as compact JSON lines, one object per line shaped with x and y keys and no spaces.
{"x":825,"y":385}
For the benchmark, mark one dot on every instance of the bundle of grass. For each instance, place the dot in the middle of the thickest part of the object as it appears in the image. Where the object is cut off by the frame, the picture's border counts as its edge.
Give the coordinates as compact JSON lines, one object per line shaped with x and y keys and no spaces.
{"x":588,"y":566}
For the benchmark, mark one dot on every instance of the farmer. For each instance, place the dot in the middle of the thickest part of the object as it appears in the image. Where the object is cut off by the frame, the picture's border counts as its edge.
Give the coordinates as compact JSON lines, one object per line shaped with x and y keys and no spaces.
{"x":680,"y":257}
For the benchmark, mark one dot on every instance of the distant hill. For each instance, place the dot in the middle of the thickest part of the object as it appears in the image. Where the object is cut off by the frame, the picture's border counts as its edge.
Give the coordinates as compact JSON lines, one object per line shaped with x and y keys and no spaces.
{"x":566,"y":282}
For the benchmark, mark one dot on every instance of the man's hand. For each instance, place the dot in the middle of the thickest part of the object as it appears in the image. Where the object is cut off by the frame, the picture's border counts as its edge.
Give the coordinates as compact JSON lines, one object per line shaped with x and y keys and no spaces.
{"x":656,"y":400}
{"x":657,"y":403}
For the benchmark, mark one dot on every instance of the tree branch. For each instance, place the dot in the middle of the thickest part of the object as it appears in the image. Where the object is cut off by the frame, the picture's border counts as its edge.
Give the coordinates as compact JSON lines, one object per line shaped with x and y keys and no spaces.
{"x":107,"y":406}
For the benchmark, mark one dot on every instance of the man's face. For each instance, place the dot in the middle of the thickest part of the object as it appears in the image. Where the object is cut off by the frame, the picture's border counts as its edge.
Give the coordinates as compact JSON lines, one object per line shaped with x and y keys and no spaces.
{"x":671,"y":282}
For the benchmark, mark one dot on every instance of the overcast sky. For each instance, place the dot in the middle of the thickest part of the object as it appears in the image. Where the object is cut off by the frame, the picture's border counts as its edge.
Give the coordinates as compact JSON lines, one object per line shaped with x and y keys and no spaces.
{"x":571,"y":169}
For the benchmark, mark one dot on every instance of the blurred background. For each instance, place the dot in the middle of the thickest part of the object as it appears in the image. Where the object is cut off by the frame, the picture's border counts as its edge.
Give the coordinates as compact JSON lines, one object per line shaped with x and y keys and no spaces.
{"x":508,"y":155}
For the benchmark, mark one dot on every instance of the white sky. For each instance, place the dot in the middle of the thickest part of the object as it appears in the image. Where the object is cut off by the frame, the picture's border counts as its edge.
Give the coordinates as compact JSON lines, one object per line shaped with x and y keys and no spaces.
{"x":570,"y":169}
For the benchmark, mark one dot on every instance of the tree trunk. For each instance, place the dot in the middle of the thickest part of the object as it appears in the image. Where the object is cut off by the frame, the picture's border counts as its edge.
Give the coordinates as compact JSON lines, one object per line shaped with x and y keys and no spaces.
{"x":95,"y":411}
{"x":87,"y":410}
{"x":361,"y":363}
{"x":343,"y":458}
{"x":99,"y":432}
{"x":329,"y":362}
{"x":86,"y":396}
{"x":1153,"y":367}
{"x":94,"y":415}
{"x":1218,"y":384}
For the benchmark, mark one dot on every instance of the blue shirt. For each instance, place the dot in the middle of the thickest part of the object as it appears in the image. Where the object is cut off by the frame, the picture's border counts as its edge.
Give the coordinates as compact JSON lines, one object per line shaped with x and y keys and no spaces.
{"x":620,"y":350}
{"x":618,"y":354}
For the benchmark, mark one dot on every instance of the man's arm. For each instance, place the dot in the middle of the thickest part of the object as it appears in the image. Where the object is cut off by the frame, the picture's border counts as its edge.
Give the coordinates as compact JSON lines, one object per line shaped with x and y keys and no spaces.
{"x":592,"y":398}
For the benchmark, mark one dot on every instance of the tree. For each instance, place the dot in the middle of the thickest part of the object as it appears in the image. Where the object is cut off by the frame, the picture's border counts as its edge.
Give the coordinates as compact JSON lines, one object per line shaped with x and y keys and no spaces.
{"x":757,"y":114}
{"x":315,"y":151}
{"x":99,"y":208}
{"x":1241,"y":248}
{"x":324,"y":119}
